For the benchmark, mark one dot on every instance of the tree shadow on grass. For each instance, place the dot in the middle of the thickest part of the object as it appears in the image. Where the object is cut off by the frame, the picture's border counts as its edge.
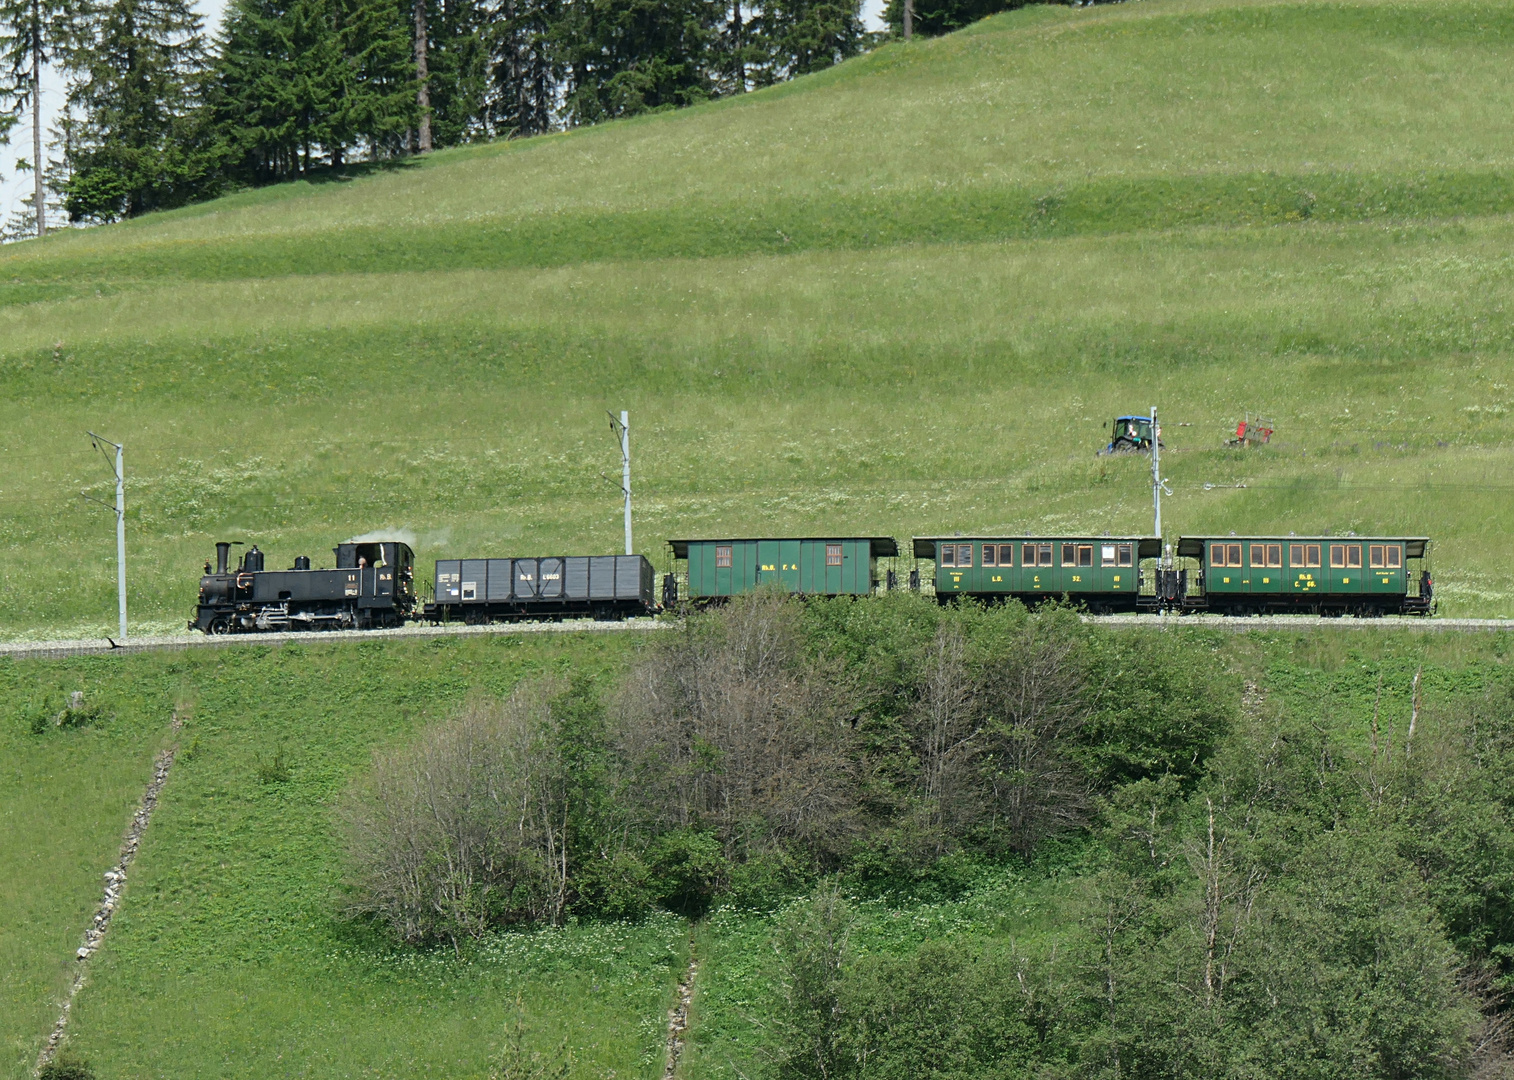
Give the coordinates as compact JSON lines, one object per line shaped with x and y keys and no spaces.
{"x":340,"y":174}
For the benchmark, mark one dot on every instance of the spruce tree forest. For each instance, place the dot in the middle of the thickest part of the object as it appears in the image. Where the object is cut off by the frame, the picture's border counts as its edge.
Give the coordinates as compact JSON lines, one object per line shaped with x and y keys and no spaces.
{"x":160,"y":112}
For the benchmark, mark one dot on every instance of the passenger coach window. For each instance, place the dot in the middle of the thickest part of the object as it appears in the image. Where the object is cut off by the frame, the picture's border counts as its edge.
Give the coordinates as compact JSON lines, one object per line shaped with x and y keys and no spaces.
{"x":1264,"y":555}
{"x":832,"y":554}
{"x":1126,"y":554}
{"x":1303,"y":556}
{"x":1345,"y":556}
{"x":722,"y":554}
{"x":1006,"y":554}
{"x":1085,"y":554}
{"x":1385,"y":556}
{"x":988,"y":555}
{"x":1106,"y":555}
{"x":948,"y":554}
{"x":1069,"y":554}
{"x":1225,"y":555}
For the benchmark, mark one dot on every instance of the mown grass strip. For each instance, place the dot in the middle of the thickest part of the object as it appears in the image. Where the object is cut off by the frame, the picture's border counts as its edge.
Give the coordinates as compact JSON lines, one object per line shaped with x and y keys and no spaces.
{"x":1103,"y":207}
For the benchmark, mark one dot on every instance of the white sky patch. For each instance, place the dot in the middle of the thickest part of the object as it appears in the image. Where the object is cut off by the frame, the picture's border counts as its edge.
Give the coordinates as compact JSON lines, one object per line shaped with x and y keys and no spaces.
{"x":16,"y":186}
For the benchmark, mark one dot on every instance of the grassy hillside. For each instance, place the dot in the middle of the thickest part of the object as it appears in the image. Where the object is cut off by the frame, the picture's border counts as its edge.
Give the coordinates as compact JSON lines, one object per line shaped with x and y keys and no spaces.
{"x":904,"y":295}
{"x":65,"y":800}
{"x":231,"y":955}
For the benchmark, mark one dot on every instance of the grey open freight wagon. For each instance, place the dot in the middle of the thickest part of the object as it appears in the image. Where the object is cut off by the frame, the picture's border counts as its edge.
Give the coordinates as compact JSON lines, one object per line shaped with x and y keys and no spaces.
{"x":558,"y":586}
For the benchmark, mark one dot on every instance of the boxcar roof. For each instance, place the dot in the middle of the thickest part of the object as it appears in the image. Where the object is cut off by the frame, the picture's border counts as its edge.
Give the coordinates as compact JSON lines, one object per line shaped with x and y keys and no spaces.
{"x":1149,"y":546}
{"x":881,"y":547}
{"x":1414,"y":546}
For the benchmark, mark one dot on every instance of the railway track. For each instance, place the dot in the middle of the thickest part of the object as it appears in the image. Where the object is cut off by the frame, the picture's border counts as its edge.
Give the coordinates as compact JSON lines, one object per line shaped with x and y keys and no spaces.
{"x":1243,"y":623}
{"x":51,"y":650}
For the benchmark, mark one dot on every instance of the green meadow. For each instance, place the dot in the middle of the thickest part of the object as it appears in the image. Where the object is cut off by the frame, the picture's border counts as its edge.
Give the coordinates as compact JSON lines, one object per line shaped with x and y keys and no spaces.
{"x":905,"y":295}
{"x":232,"y":956}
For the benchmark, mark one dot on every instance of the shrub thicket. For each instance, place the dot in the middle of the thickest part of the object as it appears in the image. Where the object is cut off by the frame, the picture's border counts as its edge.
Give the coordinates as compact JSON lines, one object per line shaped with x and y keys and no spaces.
{"x":1311,"y":903}
{"x":759,"y":745}
{"x":465,"y":829}
{"x":1260,"y":894}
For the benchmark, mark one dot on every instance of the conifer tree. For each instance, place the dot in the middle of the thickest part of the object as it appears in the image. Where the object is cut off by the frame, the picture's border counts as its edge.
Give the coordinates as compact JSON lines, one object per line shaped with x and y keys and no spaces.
{"x":802,"y":36}
{"x":376,"y":86}
{"x":297,"y":80}
{"x":739,"y":47}
{"x":936,"y":17}
{"x":32,"y":33}
{"x":524,"y":72}
{"x":422,"y":76}
{"x":457,"y":61}
{"x":630,"y":56}
{"x":132,"y":142}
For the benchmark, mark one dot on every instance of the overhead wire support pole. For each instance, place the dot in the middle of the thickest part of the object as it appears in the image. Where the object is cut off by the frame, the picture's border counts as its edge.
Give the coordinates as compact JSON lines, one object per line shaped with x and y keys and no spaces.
{"x":119,"y":469}
{"x":622,"y":428}
{"x":1158,"y":483}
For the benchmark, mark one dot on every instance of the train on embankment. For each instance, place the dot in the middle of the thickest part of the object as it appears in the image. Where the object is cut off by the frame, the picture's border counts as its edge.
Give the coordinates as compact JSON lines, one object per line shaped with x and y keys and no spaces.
{"x":373,"y":584}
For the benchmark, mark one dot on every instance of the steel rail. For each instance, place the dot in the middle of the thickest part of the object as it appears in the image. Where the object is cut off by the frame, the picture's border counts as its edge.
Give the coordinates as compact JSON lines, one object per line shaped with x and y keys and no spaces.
{"x":52,"y":650}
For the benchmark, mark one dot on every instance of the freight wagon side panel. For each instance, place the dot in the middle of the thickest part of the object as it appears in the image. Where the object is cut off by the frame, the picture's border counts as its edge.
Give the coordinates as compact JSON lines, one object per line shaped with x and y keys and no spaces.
{"x":632,"y":578}
{"x":448,"y":581}
{"x":602,"y":577}
{"x":578,"y":578}
{"x":501,"y":578}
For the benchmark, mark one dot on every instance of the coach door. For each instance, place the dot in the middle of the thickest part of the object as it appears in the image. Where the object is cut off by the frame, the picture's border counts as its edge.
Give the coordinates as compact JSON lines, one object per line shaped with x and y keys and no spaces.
{"x":1264,"y":570}
{"x":1385,"y":567}
{"x":1226,"y":572}
{"x":1305,"y":574}
{"x":1345,"y":571}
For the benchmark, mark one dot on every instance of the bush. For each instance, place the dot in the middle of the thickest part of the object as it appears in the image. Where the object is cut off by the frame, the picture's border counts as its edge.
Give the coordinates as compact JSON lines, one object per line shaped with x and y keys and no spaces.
{"x":734,"y":727}
{"x":465,"y":829}
{"x":688,"y":868}
{"x":66,"y":1066}
{"x":812,"y":943}
{"x":50,"y":711}
{"x":1164,"y":703}
{"x":615,"y":886}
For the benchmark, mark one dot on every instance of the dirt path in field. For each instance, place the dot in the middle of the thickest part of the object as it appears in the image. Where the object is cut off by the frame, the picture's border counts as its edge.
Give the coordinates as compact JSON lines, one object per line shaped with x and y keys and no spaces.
{"x":678,"y":1015}
{"x":115,"y":882}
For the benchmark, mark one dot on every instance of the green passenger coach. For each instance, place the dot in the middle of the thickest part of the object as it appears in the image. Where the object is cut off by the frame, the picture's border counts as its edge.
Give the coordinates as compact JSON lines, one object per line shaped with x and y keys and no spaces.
{"x":1333,"y":575}
{"x":812,"y":566}
{"x":1102,"y":572}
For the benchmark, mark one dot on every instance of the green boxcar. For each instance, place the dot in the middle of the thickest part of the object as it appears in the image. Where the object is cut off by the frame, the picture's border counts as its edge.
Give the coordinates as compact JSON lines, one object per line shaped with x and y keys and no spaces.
{"x":1102,"y":572}
{"x":1357,"y":575}
{"x":812,"y":566}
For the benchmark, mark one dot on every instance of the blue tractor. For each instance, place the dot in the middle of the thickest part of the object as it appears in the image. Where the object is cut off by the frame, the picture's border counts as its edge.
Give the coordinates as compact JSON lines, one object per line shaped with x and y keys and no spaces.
{"x":1132,"y":435}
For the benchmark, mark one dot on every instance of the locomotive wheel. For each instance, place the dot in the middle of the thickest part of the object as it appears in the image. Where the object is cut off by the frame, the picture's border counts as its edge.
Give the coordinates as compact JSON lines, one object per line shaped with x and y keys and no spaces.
{"x":221,"y":624}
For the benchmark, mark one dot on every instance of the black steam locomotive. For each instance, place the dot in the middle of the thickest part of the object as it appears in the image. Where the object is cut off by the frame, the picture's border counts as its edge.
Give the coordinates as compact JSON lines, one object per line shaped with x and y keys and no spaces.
{"x":372,"y":587}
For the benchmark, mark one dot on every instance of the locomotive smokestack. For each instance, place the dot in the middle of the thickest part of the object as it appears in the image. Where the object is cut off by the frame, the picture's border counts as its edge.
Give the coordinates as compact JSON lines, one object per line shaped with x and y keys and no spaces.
{"x":223,"y":552}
